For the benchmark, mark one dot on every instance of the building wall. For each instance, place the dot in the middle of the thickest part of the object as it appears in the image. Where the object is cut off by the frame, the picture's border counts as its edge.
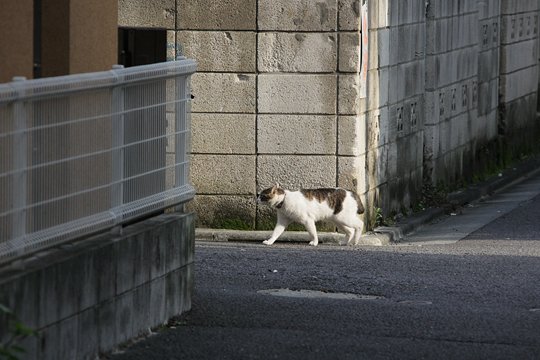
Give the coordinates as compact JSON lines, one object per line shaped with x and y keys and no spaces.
{"x":16,"y":42}
{"x":279,"y":95}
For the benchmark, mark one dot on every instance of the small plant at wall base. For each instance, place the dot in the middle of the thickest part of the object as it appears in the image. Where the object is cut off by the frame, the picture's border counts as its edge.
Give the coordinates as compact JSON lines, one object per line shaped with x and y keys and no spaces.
{"x":16,"y":332}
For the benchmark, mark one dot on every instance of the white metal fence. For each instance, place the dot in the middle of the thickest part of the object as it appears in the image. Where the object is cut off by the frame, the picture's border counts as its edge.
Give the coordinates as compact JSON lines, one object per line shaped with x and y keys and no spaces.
{"x":84,"y":153}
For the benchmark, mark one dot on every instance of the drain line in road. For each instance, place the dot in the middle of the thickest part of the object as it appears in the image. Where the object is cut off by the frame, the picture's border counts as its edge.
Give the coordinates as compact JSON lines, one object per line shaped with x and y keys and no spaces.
{"x":314,"y":294}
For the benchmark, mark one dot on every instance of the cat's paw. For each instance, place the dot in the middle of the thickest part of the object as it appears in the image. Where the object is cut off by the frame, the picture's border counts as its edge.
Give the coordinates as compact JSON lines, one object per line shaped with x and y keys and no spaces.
{"x":313,"y":243}
{"x":267,"y":242}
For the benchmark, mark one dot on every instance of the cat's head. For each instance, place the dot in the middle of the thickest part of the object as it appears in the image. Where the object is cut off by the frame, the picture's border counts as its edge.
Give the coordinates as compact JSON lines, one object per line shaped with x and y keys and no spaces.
{"x":273,"y":195}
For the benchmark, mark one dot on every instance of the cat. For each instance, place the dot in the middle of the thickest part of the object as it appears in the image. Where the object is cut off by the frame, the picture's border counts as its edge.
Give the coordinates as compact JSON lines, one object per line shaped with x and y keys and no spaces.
{"x":308,"y":206}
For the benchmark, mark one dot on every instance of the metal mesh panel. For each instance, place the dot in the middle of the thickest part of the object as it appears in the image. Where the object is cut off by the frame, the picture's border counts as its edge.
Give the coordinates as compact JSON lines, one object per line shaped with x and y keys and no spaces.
{"x":84,"y":153}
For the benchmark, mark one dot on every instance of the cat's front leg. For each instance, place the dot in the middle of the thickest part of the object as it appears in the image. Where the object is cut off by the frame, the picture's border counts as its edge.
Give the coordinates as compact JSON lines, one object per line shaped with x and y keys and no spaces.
{"x":312,"y":230}
{"x":281,"y":225}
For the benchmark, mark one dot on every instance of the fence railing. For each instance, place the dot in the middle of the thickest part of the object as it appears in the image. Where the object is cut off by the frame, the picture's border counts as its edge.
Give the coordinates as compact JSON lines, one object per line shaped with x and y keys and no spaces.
{"x":84,"y":153}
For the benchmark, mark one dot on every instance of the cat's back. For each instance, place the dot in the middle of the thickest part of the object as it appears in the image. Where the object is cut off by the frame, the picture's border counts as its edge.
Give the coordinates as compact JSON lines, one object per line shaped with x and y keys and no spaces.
{"x":322,"y":203}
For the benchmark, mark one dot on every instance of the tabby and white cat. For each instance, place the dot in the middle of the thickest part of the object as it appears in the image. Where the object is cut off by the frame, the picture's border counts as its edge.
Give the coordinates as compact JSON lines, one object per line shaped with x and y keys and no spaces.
{"x":308,"y":206}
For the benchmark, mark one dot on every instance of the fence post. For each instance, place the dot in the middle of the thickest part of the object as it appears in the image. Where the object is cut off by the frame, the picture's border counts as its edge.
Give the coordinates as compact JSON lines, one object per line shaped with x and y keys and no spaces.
{"x":117,"y":188}
{"x":20,"y":161}
{"x":182,"y":131}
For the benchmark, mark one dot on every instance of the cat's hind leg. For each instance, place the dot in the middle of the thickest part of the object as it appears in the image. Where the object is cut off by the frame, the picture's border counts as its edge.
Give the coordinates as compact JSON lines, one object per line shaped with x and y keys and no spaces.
{"x":354,"y":223}
{"x":348,"y":231}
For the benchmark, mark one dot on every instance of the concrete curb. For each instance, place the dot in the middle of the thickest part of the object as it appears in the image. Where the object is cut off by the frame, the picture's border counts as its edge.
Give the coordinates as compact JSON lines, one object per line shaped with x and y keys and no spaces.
{"x":389,"y":234}
{"x":332,"y":238}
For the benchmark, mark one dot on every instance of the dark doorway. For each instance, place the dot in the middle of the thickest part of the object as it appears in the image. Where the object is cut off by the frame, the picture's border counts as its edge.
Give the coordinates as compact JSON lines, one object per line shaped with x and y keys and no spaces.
{"x":141,"y":46}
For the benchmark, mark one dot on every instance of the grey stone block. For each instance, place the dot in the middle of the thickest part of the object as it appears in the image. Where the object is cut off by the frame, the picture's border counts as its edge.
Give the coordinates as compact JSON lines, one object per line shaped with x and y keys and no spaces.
{"x":297,"y":15}
{"x":148,"y":14}
{"x":295,"y":171}
{"x":217,"y":15}
{"x":352,"y":135}
{"x":296,"y":134}
{"x":297,"y":94}
{"x":223,"y":92}
{"x":349,"y":52}
{"x":349,"y":101}
{"x":223,"y":174}
{"x":224,"y":211}
{"x":297,"y":52}
{"x":519,"y":84}
{"x":349,"y":15}
{"x":513,"y":7}
{"x":212,"y":133}
{"x":352,"y":172}
{"x":227,"y":51}
{"x":519,"y":55}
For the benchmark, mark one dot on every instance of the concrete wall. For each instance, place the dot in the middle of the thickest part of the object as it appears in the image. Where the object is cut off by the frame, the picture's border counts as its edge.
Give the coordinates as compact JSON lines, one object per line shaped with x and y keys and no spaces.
{"x":518,"y":89}
{"x":90,"y":296}
{"x":279,"y":96}
{"x":397,"y":38}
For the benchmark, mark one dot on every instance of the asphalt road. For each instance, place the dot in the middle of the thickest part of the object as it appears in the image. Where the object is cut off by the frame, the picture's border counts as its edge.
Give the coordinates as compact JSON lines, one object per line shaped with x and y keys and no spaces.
{"x":473,"y":298}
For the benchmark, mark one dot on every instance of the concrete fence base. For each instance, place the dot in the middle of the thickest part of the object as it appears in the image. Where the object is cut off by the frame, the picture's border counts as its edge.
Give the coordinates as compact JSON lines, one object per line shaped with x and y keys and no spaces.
{"x":89,"y":296}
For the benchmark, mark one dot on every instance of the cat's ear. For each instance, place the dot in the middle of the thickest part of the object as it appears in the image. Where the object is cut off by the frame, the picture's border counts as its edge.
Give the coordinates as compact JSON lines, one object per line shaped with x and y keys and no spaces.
{"x":277,"y":186}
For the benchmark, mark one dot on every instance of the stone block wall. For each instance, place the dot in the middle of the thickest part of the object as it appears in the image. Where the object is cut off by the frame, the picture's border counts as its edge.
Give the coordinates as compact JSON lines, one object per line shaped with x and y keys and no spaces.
{"x":279,"y":95}
{"x":276,"y":100}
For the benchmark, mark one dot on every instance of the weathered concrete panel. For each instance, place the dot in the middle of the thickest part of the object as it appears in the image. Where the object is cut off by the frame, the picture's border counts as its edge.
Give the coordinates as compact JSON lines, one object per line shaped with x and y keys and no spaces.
{"x":223,"y":174}
{"x":349,"y":15}
{"x":519,"y":55}
{"x":352,"y":135}
{"x":223,"y":92}
{"x":349,"y":101}
{"x":211,"y":133}
{"x":297,"y":52}
{"x":519,"y":84}
{"x":227,"y":51}
{"x":296,"y":134}
{"x":216,"y":15}
{"x":296,"y":171}
{"x":349,"y":52}
{"x":298,"y":15}
{"x":224,"y":211}
{"x":296,"y":94}
{"x":351,"y":173}
{"x":148,"y":14}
